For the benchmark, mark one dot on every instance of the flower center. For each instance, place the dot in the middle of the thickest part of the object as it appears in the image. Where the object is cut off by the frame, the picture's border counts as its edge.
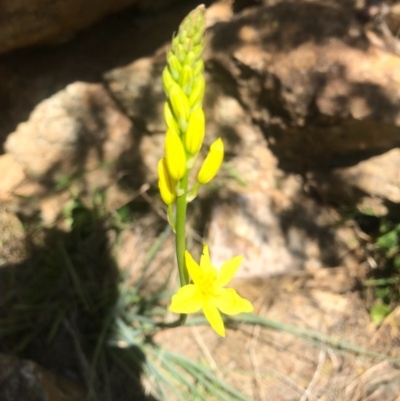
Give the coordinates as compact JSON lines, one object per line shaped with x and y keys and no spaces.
{"x":206,"y":283}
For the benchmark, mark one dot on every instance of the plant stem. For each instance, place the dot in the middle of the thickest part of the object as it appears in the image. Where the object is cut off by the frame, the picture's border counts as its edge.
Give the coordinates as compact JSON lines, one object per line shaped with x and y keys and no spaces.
{"x":180,"y":234}
{"x":180,"y":241}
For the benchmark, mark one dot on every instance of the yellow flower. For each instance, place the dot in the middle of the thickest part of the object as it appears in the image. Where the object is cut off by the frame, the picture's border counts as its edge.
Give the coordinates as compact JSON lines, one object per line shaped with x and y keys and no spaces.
{"x":212,"y":163}
{"x":207,"y":292}
{"x":166,"y":184}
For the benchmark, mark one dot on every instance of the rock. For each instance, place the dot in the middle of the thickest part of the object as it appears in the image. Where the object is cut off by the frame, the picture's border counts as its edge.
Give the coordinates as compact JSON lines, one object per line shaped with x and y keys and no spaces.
{"x":367,"y":185}
{"x":24,"y":380}
{"x":11,"y":175}
{"x":323,"y":96}
{"x":40,"y":22}
{"x":76,"y":129}
{"x":76,"y":139}
{"x":271,"y":222}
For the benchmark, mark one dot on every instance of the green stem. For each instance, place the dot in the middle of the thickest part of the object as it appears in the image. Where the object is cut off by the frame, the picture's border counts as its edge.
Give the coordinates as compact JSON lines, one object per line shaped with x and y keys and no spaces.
{"x":180,"y":240}
{"x":171,"y":217}
{"x":180,"y":233}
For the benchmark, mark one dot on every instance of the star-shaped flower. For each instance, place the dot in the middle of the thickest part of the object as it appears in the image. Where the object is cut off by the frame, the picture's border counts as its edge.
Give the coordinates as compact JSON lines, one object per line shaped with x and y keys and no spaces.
{"x":207,"y":291}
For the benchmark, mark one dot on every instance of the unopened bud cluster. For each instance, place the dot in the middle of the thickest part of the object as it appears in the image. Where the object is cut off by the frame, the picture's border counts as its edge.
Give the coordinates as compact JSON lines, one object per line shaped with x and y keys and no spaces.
{"x":184,"y":87}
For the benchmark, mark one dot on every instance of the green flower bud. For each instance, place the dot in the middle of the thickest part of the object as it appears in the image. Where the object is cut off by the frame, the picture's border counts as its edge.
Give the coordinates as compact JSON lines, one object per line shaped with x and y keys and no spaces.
{"x":180,"y":52}
{"x":197,"y":94}
{"x":166,"y":184}
{"x":190,"y":59}
{"x":195,"y":132}
{"x":198,"y":50}
{"x":186,"y":80}
{"x":175,"y":155}
{"x":198,"y":68}
{"x":212,"y":163}
{"x":180,"y":105}
{"x":170,"y":119}
{"x":183,"y":35}
{"x":174,"y":65}
{"x":193,"y":23}
{"x":167,"y":80}
{"x":175,"y":44}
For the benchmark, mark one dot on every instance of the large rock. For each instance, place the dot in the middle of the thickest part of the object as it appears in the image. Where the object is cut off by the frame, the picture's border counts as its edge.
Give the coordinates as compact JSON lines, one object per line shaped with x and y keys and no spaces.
{"x":76,"y":130}
{"x":25,"y":23}
{"x":324,"y":96}
{"x":77,"y":139}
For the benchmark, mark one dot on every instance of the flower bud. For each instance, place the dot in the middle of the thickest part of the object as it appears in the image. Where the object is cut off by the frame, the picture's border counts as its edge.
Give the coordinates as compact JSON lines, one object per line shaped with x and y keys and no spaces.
{"x":186,"y":80}
{"x":180,"y":105}
{"x":198,"y":50}
{"x":180,"y":52}
{"x":166,"y":184}
{"x":197,"y":94}
{"x":175,"y":155}
{"x":175,"y":67}
{"x":170,"y":119}
{"x":167,"y":80}
{"x":190,"y":59}
{"x":198,"y":67}
{"x":212,"y":163}
{"x":195,"y":132}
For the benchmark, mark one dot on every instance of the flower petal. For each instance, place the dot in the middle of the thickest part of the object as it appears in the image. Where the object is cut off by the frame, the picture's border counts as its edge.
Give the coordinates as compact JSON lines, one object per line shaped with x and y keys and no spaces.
{"x":188,"y":299}
{"x":231,"y":303}
{"x":228,"y":270}
{"x":214,"y":317}
{"x":205,"y":261}
{"x":193,"y":268}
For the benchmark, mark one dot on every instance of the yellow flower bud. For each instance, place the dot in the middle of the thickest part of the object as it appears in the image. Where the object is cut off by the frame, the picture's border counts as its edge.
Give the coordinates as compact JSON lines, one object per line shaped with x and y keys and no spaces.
{"x":195,"y":132}
{"x":196,"y":96}
{"x":212,"y":163}
{"x":167,"y":80}
{"x":180,"y":105}
{"x":170,"y":119}
{"x":166,"y":184}
{"x":175,"y":155}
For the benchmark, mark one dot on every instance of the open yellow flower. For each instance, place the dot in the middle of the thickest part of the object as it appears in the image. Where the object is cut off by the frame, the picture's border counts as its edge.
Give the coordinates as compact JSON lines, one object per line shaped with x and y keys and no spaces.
{"x":207,"y":292}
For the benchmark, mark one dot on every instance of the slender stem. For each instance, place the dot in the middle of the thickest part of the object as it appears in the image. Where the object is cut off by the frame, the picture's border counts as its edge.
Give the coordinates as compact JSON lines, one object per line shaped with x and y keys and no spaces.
{"x":180,"y":240}
{"x":176,"y":323}
{"x":171,"y":217}
{"x":180,"y":233}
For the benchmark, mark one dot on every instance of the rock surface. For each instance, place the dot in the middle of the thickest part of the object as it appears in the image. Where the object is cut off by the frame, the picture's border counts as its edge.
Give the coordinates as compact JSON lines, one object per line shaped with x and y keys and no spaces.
{"x":42,"y":22}
{"x":24,"y":380}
